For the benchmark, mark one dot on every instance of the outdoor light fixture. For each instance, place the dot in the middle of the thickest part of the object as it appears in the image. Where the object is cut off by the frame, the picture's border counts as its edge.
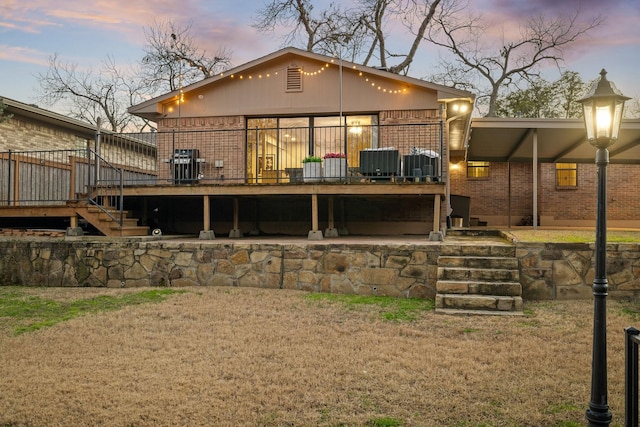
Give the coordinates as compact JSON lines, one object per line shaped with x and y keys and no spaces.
{"x":603,"y":106}
{"x":460,"y":108}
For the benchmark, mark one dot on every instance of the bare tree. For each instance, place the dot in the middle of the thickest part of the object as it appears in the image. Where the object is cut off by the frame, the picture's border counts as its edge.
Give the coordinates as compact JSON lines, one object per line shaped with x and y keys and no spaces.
{"x":416,"y":16}
{"x":632,"y":109}
{"x":359,"y":33}
{"x":172,"y":58}
{"x":89,"y":95}
{"x":333,"y":30}
{"x":494,"y":67}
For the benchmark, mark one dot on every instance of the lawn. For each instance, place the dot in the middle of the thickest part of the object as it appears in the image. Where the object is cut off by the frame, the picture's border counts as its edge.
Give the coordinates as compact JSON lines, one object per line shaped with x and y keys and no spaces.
{"x":572,"y":236}
{"x":253,"y":357}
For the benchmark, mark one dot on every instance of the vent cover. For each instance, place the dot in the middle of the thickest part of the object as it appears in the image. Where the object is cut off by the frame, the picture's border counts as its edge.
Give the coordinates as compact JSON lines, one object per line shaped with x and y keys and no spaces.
{"x":294,"y":79}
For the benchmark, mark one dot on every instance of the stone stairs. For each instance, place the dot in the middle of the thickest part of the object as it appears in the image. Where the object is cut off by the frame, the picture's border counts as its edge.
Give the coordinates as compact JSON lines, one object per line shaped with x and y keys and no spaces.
{"x":478,"y":274}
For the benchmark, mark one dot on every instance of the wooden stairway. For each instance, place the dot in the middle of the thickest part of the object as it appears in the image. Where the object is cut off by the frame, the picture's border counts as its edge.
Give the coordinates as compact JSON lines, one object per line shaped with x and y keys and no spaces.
{"x":478,"y":274}
{"x":104,"y":222}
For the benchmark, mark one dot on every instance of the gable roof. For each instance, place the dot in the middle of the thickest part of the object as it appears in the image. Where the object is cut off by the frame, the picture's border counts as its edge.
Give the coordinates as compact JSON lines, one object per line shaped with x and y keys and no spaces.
{"x":149,"y":109}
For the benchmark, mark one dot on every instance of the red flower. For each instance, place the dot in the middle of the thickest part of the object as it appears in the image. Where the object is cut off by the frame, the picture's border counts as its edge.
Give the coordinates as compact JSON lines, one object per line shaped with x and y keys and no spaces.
{"x":334,"y":156}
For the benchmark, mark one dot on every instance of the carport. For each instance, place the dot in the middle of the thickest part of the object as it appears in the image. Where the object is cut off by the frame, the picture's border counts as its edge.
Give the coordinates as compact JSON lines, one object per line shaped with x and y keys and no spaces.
{"x":508,"y":140}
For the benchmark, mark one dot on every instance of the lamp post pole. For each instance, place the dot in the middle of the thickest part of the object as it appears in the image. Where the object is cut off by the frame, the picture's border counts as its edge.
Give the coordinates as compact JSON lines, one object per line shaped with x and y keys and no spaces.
{"x":602,"y":107}
{"x":598,"y":413}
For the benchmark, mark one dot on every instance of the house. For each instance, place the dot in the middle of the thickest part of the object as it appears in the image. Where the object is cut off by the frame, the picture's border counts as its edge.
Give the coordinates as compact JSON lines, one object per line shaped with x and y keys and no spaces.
{"x":238,"y":140}
{"x":393,"y":155}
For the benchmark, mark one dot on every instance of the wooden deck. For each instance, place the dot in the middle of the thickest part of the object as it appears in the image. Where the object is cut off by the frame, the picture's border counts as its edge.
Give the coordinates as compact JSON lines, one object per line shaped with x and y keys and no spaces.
{"x":206,"y":191}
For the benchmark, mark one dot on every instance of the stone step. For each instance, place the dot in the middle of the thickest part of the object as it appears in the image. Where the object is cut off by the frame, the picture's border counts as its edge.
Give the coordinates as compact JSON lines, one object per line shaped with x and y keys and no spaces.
{"x":480,"y":288}
{"x":478,"y":250}
{"x":479,"y":303}
{"x":478,"y":274}
{"x":478,"y":262}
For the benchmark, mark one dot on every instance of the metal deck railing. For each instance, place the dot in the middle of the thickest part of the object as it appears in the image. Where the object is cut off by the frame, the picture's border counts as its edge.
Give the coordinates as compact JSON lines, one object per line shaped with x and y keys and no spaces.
{"x":344,"y":154}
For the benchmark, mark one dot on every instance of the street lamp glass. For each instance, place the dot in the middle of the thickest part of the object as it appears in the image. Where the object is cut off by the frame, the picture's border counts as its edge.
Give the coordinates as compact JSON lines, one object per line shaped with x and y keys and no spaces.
{"x":602,"y":107}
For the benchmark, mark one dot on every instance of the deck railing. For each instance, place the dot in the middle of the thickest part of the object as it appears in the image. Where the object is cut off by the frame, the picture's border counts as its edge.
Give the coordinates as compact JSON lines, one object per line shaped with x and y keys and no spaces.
{"x":276,"y":155}
{"x":407,"y":152}
{"x":42,"y":177}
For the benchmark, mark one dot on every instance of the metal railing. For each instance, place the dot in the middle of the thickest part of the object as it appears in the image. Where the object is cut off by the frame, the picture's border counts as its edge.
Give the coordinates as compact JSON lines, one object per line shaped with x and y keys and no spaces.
{"x":632,"y":340}
{"x":106,"y":191}
{"x":405,"y":152}
{"x":275,"y":155}
{"x":57,"y":177}
{"x":30,"y":178}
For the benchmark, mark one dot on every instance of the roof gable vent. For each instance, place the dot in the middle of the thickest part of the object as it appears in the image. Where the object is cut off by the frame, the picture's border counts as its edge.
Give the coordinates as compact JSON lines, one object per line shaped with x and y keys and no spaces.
{"x":294,"y":79}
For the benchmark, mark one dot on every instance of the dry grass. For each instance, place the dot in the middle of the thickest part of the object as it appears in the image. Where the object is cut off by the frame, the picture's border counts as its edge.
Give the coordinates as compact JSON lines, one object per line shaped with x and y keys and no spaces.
{"x":573,"y":236}
{"x":250,"y":357}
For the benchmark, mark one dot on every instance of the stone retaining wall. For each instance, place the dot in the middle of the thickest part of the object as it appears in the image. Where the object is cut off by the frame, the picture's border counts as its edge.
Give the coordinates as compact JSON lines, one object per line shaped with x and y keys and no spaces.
{"x":566,"y":271}
{"x":398,"y":270}
{"x":547,"y":271}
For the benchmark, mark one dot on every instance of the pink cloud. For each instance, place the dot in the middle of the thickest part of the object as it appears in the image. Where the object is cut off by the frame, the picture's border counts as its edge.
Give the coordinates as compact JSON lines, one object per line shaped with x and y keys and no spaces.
{"x":22,"y":54}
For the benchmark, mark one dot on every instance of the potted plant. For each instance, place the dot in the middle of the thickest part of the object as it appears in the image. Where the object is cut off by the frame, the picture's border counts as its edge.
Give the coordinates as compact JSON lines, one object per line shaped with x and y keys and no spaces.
{"x":335,"y":166}
{"x":311,"y":169}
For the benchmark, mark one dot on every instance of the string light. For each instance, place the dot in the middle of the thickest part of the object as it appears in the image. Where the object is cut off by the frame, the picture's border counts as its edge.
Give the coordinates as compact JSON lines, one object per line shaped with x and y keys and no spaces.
{"x":362,"y":75}
{"x":368,"y":79}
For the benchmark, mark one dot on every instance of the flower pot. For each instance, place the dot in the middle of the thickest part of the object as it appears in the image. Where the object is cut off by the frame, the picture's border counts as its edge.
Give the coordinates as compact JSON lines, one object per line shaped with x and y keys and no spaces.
{"x":312,"y":172}
{"x":335,"y":169}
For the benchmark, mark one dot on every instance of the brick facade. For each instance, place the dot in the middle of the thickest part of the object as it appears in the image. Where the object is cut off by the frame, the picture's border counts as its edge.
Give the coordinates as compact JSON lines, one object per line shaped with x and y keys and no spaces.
{"x":21,"y":134}
{"x":556,"y":206}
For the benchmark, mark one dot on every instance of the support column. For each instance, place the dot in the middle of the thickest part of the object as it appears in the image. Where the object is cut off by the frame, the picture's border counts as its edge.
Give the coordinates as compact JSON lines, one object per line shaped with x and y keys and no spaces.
{"x":535,"y":179}
{"x":436,"y":234}
{"x":315,"y":233}
{"x":207,"y":233}
{"x":235,"y":232}
{"x":73,"y":229}
{"x":331,"y":230}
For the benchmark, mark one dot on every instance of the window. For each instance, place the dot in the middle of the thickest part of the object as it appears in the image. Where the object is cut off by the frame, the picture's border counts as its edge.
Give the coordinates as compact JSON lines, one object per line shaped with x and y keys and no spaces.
{"x":566,"y":175}
{"x":477,"y":169}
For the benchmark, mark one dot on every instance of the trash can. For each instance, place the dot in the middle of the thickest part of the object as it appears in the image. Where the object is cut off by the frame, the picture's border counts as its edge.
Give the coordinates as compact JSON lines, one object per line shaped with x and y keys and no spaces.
{"x":457,"y":222}
{"x":460,"y":206}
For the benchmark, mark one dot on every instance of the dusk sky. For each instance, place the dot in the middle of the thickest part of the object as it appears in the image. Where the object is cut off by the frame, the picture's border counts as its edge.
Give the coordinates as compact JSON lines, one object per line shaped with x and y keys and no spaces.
{"x":86,"y":32}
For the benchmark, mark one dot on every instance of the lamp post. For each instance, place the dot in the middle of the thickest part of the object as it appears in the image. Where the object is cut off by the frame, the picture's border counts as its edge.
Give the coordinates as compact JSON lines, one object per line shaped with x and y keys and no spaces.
{"x":602,"y":108}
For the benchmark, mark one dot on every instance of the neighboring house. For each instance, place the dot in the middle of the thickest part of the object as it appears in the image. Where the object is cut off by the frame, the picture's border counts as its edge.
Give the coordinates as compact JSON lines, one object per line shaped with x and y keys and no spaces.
{"x":45,"y":160}
{"x":32,"y":128}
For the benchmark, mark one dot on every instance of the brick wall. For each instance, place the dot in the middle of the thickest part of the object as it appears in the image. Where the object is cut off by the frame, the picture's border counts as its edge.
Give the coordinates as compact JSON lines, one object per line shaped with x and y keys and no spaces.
{"x":227,"y":146}
{"x":556,"y":206}
{"x":20,"y":134}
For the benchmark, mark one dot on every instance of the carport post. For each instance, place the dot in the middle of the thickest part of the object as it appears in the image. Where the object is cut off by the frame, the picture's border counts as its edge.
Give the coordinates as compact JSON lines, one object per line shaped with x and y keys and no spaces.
{"x":535,"y":179}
